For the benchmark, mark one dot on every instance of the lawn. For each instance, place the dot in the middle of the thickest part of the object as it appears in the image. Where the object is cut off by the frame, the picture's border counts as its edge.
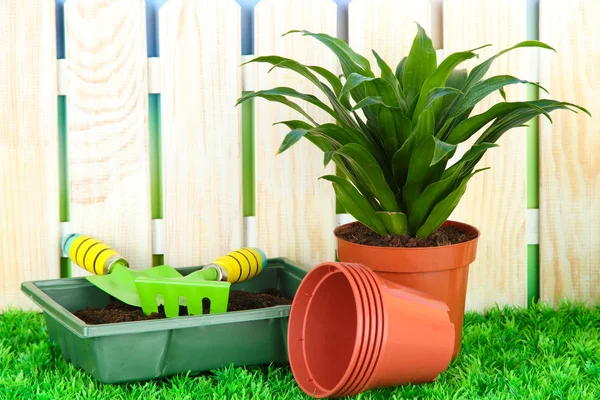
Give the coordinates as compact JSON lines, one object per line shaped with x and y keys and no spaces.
{"x":510,"y":353}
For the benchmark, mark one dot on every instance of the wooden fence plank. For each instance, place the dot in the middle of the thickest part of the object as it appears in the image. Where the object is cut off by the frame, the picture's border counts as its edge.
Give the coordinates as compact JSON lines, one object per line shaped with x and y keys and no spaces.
{"x":495,"y":201}
{"x":569,"y":165}
{"x":107,"y":113}
{"x":29,"y":209}
{"x":200,"y":56}
{"x":386,"y":26}
{"x":295,"y":211}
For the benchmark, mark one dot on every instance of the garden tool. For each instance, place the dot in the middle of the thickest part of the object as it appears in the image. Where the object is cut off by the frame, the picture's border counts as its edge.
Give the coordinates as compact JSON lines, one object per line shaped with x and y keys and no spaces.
{"x":145,"y":288}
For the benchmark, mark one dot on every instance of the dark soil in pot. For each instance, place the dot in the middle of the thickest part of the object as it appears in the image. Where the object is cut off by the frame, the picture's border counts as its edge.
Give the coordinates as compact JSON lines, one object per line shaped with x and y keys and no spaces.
{"x":361,"y":234}
{"x":239,"y":300}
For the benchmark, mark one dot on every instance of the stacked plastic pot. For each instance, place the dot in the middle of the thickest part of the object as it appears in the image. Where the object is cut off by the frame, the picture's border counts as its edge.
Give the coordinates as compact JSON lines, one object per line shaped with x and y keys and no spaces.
{"x":351,"y":330}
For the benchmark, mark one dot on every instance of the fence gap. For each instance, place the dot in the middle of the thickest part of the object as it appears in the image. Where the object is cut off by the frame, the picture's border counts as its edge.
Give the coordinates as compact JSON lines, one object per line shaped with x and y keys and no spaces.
{"x":248,"y":159}
{"x":533,"y":160}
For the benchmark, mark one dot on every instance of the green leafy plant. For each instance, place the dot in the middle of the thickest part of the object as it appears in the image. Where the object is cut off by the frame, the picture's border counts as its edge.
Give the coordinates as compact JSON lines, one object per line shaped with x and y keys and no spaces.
{"x":394,"y":135}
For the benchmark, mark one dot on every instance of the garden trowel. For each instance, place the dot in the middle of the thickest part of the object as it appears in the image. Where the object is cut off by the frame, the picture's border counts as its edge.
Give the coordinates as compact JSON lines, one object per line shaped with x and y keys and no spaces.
{"x":145,"y":288}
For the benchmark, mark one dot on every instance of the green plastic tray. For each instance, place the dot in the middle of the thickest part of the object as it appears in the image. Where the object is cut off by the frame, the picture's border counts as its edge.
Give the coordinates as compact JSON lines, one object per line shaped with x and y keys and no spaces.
{"x":134,"y":351}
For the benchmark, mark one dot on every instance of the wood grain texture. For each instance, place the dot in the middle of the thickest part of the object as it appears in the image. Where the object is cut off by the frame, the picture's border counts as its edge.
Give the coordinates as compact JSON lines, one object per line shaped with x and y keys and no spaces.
{"x":569,"y":164}
{"x":29,"y":210}
{"x":202,"y":167}
{"x":295,"y":211}
{"x":107,"y":113}
{"x":386,"y":26}
{"x":495,"y":201}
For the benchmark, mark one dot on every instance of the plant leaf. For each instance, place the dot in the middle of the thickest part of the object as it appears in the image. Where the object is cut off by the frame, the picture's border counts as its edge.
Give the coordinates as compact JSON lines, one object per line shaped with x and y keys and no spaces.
{"x":411,"y":109}
{"x":418,"y":166}
{"x":333,"y":134}
{"x":395,"y":222}
{"x":456,"y":80}
{"x":350,"y":173}
{"x":295,"y":124}
{"x":287,"y":91}
{"x":514,"y":119}
{"x":367,"y":131}
{"x":343,"y":136}
{"x":503,"y":93}
{"x":420,"y":64}
{"x":440,"y":76}
{"x":370,"y":101}
{"x":437,"y":170}
{"x":400,"y":71}
{"x":475,"y":151}
{"x":340,"y":106}
{"x":447,"y":122}
{"x":328,"y":155}
{"x":291,"y":138}
{"x":356,"y":204}
{"x":442,"y":150}
{"x":519,"y":117}
{"x":465,"y":165}
{"x":480,"y":70}
{"x":394,"y":129}
{"x":334,"y":81}
{"x":350,"y":60}
{"x":482,"y":89}
{"x":470,"y":126}
{"x":549,"y":105}
{"x":431,"y":195}
{"x":444,"y":208}
{"x":435,"y":94}
{"x":377,"y":88}
{"x":428,"y":152}
{"x":401,"y":160}
{"x":277,"y":99}
{"x":322,"y":143}
{"x":388,"y":76}
{"x":370,"y":173}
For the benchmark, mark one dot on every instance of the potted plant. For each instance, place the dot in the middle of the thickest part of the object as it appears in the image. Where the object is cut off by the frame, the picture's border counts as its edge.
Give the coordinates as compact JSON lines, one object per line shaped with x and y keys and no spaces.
{"x":392,"y":138}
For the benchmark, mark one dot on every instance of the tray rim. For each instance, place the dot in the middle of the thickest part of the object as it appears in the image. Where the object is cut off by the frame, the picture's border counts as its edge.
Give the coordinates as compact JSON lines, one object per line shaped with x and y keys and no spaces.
{"x":33,"y":289}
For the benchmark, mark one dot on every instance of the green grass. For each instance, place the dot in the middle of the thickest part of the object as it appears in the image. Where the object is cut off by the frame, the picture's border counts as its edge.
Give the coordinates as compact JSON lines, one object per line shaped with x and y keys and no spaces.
{"x":509,"y":353}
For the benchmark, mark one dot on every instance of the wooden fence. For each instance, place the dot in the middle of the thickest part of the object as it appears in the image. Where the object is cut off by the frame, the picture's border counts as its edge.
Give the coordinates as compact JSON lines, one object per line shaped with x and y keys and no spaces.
{"x":107,"y":77}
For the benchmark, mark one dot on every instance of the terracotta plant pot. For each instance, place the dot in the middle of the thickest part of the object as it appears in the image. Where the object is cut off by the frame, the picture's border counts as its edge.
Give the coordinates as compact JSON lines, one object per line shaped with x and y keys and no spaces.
{"x":350,"y":331}
{"x":440,"y":271}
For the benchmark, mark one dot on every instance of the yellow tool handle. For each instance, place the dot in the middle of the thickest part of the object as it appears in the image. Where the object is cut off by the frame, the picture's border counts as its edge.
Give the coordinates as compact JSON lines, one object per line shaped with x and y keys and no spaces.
{"x":91,"y":254}
{"x":242,"y":264}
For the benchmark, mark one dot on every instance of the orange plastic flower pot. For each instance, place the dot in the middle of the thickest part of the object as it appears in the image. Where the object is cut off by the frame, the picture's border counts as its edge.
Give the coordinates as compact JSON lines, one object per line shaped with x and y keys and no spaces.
{"x":345,"y":328}
{"x":350,"y":331}
{"x":439,"y":271}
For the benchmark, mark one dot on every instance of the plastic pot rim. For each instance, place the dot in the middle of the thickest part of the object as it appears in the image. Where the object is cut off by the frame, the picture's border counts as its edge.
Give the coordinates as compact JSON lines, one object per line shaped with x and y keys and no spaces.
{"x":412,"y":249}
{"x":376,"y":342}
{"x":358,"y":339}
{"x":369,"y":338}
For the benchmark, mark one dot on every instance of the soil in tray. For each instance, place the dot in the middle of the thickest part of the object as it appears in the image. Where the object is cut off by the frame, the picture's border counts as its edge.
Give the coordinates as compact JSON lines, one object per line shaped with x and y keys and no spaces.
{"x":239,"y":300}
{"x":361,"y":234}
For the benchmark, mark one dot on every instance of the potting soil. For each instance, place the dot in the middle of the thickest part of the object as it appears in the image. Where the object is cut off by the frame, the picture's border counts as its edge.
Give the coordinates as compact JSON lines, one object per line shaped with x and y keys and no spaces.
{"x":239,"y":300}
{"x":361,"y":234}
